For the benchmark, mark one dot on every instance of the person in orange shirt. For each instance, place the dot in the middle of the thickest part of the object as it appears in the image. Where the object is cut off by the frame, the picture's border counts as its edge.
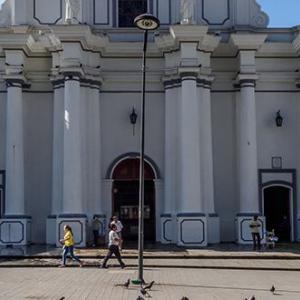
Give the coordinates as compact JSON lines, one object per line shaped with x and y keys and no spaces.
{"x":68,"y":242}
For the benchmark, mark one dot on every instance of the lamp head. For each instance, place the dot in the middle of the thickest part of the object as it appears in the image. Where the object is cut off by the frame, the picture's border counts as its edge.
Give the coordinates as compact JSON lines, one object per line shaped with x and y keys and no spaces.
{"x":278,"y":119}
{"x":146,"y":22}
{"x":133,"y":116}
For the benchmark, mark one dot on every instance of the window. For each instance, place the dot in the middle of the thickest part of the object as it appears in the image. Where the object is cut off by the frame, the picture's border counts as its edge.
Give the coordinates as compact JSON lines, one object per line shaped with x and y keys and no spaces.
{"x":129,"y":9}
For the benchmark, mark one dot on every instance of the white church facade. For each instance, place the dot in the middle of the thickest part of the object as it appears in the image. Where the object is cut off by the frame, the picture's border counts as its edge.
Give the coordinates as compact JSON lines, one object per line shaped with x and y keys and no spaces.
{"x":222,"y":121}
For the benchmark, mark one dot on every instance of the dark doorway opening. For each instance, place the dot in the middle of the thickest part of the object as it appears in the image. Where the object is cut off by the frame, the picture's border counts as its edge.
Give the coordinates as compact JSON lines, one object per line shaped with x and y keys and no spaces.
{"x":126,"y":199}
{"x":277,"y":211}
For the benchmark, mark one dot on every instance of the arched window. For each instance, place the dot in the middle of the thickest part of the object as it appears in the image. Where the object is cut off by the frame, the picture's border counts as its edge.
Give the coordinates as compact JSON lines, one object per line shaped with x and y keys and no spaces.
{"x":129,"y":9}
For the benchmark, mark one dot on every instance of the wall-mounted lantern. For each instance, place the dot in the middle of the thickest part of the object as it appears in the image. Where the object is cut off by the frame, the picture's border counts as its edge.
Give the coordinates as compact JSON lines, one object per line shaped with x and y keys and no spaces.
{"x":278,"y":119}
{"x":133,"y":117}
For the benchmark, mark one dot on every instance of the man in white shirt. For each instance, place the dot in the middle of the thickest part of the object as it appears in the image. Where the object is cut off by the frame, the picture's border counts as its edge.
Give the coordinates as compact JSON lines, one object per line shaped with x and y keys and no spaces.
{"x":119,"y":225}
{"x":255,"y":228}
{"x":113,"y":247}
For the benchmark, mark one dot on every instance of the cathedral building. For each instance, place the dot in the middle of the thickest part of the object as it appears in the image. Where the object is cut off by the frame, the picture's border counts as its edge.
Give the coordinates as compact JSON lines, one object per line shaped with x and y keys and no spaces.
{"x":222,"y":121}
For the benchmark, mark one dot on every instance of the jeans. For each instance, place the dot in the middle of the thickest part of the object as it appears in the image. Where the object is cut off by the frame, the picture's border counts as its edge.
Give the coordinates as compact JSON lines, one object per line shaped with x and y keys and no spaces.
{"x":113,"y":249}
{"x":96,"y":234}
{"x":256,"y":240}
{"x":69,"y":249}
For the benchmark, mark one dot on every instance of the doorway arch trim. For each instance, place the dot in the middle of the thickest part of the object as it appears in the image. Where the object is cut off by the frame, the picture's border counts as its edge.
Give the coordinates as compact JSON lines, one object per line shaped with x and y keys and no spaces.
{"x":131,"y":155}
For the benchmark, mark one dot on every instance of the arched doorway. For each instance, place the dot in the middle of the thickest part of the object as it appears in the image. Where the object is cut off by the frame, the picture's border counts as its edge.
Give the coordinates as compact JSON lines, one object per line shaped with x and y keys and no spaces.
{"x":278,"y":210}
{"x":125,"y":198}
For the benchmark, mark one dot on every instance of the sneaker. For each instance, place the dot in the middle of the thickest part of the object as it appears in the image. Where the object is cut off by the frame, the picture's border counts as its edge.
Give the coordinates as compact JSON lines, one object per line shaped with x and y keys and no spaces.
{"x":103,"y":267}
{"x":62,"y":266}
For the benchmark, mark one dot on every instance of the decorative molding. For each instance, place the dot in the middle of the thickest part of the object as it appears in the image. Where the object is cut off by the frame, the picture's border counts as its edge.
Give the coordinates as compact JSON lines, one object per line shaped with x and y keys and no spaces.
{"x":72,"y":216}
{"x":108,"y":13}
{"x":10,"y":241}
{"x":43,"y":23}
{"x":242,"y":231}
{"x":164,"y":230}
{"x":220,"y":23}
{"x":194,"y":242}
{"x":190,"y":215}
{"x":157,"y":10}
{"x":258,"y":17}
{"x":122,"y":157}
{"x":70,"y":222}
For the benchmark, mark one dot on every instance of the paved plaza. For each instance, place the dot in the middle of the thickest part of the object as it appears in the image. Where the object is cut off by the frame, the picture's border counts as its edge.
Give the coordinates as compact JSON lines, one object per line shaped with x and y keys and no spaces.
{"x":95,"y":283}
{"x":216,"y":272}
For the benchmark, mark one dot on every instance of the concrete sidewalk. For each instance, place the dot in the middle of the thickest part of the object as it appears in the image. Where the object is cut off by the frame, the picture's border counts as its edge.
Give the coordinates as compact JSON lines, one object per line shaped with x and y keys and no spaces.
{"x":285,"y":257}
{"x":159,"y":251}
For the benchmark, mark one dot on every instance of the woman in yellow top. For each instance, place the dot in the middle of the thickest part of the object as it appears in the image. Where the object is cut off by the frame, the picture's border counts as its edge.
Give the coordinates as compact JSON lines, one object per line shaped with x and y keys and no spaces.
{"x":68,"y":242}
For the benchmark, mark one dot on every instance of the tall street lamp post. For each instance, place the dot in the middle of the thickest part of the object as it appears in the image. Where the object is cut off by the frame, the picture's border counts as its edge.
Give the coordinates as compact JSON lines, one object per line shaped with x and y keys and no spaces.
{"x":144,"y":22}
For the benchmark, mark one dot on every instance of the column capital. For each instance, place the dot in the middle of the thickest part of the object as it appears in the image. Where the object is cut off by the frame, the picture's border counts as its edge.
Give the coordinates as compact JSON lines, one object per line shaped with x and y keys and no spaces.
{"x":14,"y":69}
{"x":246,"y":42}
{"x":243,"y":79}
{"x":191,"y":72}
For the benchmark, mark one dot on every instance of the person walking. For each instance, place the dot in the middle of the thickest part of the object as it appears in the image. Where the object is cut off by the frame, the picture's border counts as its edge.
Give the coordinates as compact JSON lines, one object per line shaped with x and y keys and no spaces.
{"x":68,"y":242}
{"x":254,"y":227}
{"x":96,"y":227}
{"x":120,"y":226}
{"x":113,"y":247}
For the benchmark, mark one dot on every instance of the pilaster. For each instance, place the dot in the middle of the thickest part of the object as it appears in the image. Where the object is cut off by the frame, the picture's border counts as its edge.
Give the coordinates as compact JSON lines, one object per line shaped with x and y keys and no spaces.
{"x":247,"y":46}
{"x":190,"y":64}
{"x":15,"y":225}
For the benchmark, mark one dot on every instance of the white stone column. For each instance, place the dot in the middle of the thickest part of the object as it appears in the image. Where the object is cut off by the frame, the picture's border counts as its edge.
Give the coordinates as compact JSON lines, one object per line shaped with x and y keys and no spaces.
{"x":247,"y":45}
{"x":72,"y":176}
{"x":167,"y":222}
{"x":15,"y":202}
{"x":57,"y":160}
{"x":15,"y":225}
{"x":191,"y":218}
{"x":95,"y":145}
{"x":72,"y":203}
{"x":207,"y":179}
{"x":247,"y":160}
{"x":247,"y":148}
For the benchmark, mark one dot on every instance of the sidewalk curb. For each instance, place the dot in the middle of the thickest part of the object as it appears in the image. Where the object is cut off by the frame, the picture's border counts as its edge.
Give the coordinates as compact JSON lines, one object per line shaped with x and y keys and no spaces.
{"x":160,"y":266}
{"x":200,"y":257}
{"x":225,"y":257}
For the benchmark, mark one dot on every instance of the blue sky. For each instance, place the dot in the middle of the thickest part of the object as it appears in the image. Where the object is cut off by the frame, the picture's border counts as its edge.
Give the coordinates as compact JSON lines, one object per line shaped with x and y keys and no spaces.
{"x":282,"y":13}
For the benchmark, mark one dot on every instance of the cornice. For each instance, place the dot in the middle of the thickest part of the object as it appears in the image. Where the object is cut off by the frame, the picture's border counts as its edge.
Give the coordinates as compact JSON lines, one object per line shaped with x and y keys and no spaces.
{"x":296,"y":43}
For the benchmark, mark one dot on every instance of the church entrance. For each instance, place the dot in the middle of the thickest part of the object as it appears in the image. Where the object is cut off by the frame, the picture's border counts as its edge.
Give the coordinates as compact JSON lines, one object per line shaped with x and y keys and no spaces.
{"x":126,"y":199}
{"x":278,"y":211}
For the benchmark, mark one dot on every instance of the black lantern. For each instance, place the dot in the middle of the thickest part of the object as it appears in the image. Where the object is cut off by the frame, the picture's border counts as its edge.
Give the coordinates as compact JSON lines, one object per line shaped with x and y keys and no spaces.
{"x":133,"y":117}
{"x":279,"y":119}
